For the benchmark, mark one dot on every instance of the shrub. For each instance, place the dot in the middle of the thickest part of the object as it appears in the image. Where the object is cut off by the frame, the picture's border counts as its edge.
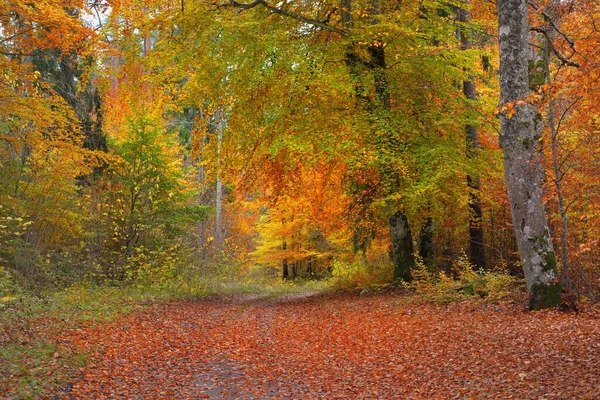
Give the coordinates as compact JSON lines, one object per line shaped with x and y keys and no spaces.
{"x":359,"y":274}
{"x":463,"y":282}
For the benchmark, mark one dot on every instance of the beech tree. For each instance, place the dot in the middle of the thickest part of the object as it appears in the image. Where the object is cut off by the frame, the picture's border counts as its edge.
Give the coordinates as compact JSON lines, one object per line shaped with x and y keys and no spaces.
{"x":476,"y":237}
{"x":519,"y":138}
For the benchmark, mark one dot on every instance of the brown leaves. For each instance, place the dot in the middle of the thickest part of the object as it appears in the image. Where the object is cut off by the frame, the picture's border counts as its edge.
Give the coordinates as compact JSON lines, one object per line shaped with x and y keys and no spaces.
{"x":341,"y":347}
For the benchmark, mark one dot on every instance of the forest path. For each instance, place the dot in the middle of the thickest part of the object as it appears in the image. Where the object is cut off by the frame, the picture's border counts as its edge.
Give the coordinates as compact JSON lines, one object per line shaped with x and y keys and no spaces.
{"x":307,"y":346}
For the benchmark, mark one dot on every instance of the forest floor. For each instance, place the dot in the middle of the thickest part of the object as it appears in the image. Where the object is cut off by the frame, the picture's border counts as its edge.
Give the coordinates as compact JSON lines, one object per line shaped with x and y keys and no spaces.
{"x":312,"y":346}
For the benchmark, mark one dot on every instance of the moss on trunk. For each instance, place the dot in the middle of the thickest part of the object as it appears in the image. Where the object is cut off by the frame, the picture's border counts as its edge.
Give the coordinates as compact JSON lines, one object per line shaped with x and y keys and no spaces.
{"x":545,"y":296}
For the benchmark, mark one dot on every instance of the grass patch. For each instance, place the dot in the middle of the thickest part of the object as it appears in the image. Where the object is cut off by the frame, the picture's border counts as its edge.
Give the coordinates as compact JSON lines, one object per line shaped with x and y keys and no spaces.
{"x":32,"y":363}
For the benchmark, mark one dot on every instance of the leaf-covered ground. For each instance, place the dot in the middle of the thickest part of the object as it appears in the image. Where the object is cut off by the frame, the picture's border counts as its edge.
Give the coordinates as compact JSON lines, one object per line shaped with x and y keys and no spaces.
{"x":338,"y":347}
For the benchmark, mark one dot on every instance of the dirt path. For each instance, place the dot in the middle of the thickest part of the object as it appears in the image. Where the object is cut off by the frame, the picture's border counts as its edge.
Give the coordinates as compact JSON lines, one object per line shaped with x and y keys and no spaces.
{"x":342,"y":347}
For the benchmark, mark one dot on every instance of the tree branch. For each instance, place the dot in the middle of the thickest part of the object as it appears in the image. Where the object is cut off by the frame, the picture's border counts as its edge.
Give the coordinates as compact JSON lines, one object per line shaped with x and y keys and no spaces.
{"x":548,"y":18}
{"x":562,"y":58}
{"x":277,"y":10}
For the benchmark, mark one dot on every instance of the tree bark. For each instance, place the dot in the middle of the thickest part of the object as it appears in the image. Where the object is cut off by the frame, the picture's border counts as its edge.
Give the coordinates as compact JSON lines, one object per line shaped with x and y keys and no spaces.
{"x":520,"y":133}
{"x":285,"y":272}
{"x":219,"y":188}
{"x":402,"y":247}
{"x":476,"y":238}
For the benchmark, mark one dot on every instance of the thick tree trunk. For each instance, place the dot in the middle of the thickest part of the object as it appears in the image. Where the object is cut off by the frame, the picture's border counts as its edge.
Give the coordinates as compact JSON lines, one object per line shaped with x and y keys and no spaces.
{"x":476,"y":241}
{"x":520,"y":133}
{"x":402,"y":247}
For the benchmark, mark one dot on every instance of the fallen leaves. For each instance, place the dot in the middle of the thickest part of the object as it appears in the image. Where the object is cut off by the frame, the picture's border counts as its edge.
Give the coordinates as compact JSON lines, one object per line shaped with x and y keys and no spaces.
{"x":339,"y":347}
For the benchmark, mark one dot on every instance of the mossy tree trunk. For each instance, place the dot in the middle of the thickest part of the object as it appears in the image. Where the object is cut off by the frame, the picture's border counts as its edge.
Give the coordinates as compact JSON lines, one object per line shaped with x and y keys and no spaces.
{"x":523,"y":169}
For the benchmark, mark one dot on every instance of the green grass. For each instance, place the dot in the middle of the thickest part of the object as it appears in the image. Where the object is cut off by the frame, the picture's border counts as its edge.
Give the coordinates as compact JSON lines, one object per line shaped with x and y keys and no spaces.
{"x":37,"y":367}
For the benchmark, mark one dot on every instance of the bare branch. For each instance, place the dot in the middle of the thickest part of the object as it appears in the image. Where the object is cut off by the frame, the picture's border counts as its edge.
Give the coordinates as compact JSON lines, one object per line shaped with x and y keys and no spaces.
{"x":564,"y":114}
{"x":277,"y":10}
{"x":548,"y":18}
{"x":562,"y":58}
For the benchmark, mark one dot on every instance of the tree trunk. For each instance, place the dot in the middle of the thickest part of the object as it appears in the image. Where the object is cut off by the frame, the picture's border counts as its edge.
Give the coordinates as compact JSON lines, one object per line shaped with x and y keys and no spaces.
{"x":476,"y":240}
{"x":347,"y":20}
{"x":402,"y":247}
{"x":285,"y":271}
{"x":558,"y":173}
{"x":219,"y":188}
{"x":426,"y":242}
{"x":523,"y":170}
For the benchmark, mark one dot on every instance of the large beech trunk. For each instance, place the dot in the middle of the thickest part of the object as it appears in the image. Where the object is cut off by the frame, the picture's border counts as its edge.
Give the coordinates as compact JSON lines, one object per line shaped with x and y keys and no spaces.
{"x":523,"y":170}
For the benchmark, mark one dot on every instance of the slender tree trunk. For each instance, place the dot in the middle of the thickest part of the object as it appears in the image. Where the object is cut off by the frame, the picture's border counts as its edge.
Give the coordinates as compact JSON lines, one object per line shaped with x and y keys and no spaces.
{"x":219,"y":189}
{"x":558,"y":176}
{"x":347,"y":20}
{"x":476,"y":239}
{"x":285,"y":272}
{"x":523,"y":170}
{"x":201,"y":225}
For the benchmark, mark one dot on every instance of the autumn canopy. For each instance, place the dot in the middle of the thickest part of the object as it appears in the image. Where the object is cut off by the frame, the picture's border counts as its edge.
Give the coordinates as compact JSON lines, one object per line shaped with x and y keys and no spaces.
{"x":365,"y":143}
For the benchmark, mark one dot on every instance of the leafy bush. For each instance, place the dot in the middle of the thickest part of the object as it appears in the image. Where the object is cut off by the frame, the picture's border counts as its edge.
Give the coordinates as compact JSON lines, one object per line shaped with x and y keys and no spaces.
{"x":463,"y":282}
{"x":359,"y":275}
{"x":8,"y":288}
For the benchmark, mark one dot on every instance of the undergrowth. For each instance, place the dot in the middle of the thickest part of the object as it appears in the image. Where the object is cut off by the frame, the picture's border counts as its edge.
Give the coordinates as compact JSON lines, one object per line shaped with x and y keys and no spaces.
{"x":360,"y":275}
{"x":463,"y":282}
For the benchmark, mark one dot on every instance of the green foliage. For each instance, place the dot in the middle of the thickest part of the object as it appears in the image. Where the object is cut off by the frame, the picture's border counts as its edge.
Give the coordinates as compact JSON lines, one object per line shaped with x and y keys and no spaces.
{"x":141,"y":208}
{"x":8,"y":287}
{"x":463,"y":282}
{"x":149,"y":183}
{"x":359,"y":274}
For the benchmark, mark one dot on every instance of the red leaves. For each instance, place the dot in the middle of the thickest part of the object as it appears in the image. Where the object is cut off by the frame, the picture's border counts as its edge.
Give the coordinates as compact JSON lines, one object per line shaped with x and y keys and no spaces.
{"x":341,"y":347}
